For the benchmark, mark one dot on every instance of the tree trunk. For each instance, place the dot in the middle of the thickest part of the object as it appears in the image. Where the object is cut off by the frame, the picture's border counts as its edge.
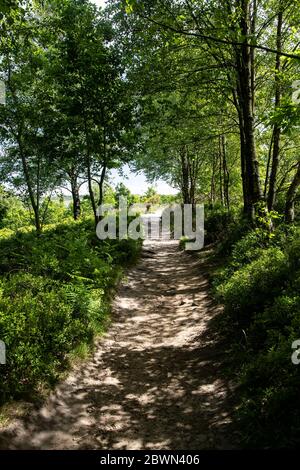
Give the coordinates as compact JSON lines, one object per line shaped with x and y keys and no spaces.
{"x":252,"y":51}
{"x":225,"y":173}
{"x":277,"y":129}
{"x":193,"y":167}
{"x":185,"y":173}
{"x":221,"y":180}
{"x":245,"y":93}
{"x":34,"y":203}
{"x":89,"y":171}
{"x":101,"y":183}
{"x":91,"y":191}
{"x":291,"y":196}
{"x":213,"y":182}
{"x":244,"y":176}
{"x":76,"y":198}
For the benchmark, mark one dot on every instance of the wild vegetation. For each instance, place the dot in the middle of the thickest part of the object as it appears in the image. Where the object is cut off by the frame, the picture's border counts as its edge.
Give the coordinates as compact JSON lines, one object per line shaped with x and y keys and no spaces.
{"x":204,"y":94}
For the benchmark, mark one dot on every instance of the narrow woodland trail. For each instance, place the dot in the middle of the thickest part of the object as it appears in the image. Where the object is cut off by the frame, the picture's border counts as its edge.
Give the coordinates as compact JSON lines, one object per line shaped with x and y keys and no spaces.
{"x":154,"y":380}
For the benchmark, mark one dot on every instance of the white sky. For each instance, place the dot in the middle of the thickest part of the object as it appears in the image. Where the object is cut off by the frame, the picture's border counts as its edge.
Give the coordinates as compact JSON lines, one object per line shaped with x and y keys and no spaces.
{"x":137,"y":183}
{"x":100,"y":3}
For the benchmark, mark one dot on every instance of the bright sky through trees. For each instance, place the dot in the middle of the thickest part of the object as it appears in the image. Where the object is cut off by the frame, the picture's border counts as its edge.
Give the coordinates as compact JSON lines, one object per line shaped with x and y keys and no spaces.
{"x":136,"y":183}
{"x":100,"y":3}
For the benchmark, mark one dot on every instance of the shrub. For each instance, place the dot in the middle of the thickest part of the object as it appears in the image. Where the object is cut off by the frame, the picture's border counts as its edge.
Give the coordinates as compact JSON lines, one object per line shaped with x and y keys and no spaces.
{"x":41,"y":321}
{"x":293,"y":250}
{"x":246,"y":250}
{"x":260,"y":289}
{"x":269,"y":412}
{"x":247,"y":290}
{"x":6,"y":233}
{"x":55,"y":292}
{"x":217,"y":220}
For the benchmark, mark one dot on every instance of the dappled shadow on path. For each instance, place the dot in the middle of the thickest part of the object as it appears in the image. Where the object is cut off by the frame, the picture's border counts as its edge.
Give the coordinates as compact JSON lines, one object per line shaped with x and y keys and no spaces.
{"x":154,"y":380}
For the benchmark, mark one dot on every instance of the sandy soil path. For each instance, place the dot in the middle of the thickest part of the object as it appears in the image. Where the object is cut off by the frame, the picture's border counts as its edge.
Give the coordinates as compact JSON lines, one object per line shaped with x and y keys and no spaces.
{"x":153,"y":381}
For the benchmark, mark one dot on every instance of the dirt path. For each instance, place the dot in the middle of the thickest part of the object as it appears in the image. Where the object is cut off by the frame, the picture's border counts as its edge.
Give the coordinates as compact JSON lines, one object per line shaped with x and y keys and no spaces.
{"x":153,"y":381}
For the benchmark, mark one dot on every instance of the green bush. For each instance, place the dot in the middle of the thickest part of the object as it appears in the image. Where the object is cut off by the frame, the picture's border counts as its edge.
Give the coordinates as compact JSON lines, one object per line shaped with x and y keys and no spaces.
{"x":13,"y":213}
{"x":260,"y":287}
{"x":247,"y":290}
{"x":246,"y":250}
{"x":269,"y":411}
{"x":293,"y":250}
{"x":6,"y":233}
{"x":54,"y":297}
{"x":54,"y":212}
{"x":40,"y":322}
{"x":217,"y":221}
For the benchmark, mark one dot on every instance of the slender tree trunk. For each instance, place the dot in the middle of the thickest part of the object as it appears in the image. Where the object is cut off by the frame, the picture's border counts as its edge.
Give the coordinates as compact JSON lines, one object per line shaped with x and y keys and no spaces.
{"x":38,"y":190}
{"x":245,"y":91}
{"x":188,"y":177}
{"x":88,"y":158}
{"x":91,"y":191}
{"x":185,"y":175}
{"x":76,"y":198}
{"x":244,"y":176}
{"x":267,"y":178}
{"x":277,"y":129}
{"x":193,"y":171}
{"x":221,"y":181}
{"x":252,"y":51}
{"x":213,"y":183}
{"x":33,"y":201}
{"x":89,"y":169}
{"x":101,"y":184}
{"x":225,"y":173}
{"x":291,"y":196}
{"x":274,"y":168}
